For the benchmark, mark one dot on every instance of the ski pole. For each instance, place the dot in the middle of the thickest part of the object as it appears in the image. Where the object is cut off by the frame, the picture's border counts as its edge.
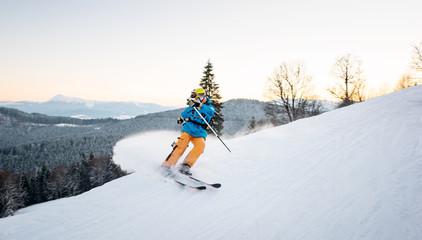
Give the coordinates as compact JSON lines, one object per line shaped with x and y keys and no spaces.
{"x":212,"y":129}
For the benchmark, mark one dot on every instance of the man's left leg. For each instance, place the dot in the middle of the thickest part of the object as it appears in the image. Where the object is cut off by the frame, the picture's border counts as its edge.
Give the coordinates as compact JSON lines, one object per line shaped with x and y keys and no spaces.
{"x":195,"y":153}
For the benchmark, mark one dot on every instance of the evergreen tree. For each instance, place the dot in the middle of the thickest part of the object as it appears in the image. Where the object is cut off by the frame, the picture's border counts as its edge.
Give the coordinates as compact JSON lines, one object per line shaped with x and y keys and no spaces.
{"x":39,"y":185}
{"x":81,"y":172}
{"x":212,"y":90}
{"x":32,"y":191}
{"x":45,"y":191}
{"x":252,"y":125}
{"x":113,"y":170}
{"x":24,"y":185}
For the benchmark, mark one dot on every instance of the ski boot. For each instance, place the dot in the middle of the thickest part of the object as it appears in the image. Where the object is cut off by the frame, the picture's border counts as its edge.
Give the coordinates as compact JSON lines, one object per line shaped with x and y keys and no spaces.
{"x":185,"y":169}
{"x":165,"y":171}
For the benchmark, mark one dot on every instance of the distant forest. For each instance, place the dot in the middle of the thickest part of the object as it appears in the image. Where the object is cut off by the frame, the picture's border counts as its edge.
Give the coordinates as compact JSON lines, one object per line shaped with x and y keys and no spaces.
{"x":45,"y":184}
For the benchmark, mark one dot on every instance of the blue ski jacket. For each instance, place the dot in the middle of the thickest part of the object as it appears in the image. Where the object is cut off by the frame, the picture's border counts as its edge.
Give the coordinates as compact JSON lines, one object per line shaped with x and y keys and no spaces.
{"x":194,"y":124}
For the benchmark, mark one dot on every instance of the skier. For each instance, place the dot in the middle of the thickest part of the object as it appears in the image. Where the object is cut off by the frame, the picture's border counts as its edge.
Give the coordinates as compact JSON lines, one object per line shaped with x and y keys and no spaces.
{"x":194,"y":130}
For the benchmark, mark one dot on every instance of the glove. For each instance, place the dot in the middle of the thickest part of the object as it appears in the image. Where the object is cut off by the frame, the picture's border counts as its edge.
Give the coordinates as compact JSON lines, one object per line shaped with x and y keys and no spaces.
{"x":180,"y":120}
{"x":194,"y":103}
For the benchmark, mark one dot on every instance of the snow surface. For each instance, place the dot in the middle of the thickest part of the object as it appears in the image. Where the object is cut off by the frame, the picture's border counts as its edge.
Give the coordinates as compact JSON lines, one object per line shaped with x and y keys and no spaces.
{"x":353,"y":173}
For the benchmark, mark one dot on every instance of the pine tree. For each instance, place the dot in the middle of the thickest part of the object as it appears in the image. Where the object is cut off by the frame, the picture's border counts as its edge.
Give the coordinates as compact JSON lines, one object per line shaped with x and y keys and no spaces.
{"x":212,"y":92}
{"x":24,"y":185}
{"x":45,"y":191}
{"x":81,"y":174}
{"x":39,"y":185}
{"x":252,"y":125}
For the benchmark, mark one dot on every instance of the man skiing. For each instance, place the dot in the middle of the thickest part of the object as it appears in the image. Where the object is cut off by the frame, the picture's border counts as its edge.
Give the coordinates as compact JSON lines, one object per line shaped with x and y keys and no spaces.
{"x":194,"y":130}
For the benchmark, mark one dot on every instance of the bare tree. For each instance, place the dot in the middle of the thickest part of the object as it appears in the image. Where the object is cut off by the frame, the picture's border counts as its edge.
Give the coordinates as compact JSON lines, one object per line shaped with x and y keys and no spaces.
{"x":412,"y":78}
{"x":351,"y":87}
{"x":406,"y":81}
{"x":417,"y":58}
{"x":290,"y":91}
{"x":417,"y":64}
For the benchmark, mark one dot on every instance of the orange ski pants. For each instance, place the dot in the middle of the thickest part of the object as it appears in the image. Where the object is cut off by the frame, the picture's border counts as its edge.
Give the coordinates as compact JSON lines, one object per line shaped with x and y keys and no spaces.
{"x":180,"y":147}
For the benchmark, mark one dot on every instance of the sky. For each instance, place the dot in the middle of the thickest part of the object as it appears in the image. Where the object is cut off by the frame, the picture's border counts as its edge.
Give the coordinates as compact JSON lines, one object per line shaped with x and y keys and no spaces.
{"x":155,"y":51}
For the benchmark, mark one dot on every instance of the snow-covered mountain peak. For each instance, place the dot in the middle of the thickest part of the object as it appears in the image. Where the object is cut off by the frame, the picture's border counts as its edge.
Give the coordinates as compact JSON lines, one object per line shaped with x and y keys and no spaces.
{"x":72,"y":100}
{"x":66,"y":99}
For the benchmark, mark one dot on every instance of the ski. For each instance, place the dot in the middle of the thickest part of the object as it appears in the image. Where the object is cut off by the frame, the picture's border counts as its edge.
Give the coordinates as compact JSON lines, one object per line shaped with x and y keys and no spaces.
{"x":190,"y":186}
{"x":203,"y":186}
{"x":214,"y":185}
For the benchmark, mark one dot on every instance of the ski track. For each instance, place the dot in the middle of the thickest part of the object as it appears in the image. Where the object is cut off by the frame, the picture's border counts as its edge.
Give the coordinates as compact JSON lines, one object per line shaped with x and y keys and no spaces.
{"x":353,"y":173}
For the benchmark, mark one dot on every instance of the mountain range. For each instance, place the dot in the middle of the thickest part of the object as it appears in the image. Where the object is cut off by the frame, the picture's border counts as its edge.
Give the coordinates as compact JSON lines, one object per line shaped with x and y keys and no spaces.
{"x":61,"y":105}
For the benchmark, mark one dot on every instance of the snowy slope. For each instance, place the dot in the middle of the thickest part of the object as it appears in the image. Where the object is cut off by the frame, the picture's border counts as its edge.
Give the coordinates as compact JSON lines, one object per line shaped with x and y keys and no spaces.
{"x":353,"y":173}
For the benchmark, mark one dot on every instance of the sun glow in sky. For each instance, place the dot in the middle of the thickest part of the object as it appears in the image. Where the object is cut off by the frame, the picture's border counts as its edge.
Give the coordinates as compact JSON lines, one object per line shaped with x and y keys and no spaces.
{"x":155,"y":51}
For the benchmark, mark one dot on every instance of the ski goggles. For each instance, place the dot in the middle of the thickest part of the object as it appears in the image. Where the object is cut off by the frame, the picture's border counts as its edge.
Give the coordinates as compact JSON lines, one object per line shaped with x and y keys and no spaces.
{"x":197,"y":95}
